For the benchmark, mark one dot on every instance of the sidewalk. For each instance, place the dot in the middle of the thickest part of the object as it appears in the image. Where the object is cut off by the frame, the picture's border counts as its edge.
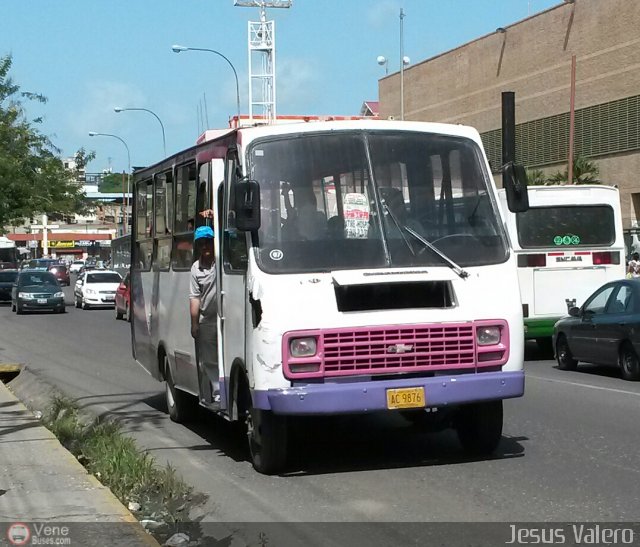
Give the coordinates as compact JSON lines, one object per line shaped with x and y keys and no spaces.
{"x":41,"y":482}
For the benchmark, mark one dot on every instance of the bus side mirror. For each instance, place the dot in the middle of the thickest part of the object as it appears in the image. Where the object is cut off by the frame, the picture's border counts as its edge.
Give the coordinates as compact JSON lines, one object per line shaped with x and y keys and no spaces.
{"x":514,"y":180}
{"x":246,"y":197}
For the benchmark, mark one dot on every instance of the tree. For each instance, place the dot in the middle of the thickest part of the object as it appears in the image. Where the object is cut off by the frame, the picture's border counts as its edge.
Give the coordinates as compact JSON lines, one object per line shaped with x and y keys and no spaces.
{"x":585,"y":171}
{"x":33,"y":179}
{"x":112,"y":183}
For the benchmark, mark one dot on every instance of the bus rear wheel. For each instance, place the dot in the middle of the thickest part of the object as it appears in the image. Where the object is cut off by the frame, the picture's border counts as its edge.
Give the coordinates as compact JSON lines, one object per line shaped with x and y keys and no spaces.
{"x":479,"y":427}
{"x":267,"y":435}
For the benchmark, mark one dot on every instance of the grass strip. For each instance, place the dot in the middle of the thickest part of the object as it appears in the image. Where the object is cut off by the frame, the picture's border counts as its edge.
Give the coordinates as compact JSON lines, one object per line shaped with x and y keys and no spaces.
{"x":130,"y":473}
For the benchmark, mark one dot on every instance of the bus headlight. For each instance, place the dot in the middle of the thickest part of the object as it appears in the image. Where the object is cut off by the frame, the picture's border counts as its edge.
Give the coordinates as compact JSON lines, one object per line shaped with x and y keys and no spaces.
{"x":303,"y":347}
{"x":488,"y":336}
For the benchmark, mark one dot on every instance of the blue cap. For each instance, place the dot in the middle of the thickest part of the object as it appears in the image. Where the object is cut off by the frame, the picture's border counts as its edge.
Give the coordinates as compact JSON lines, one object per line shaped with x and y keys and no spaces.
{"x":203,"y":232}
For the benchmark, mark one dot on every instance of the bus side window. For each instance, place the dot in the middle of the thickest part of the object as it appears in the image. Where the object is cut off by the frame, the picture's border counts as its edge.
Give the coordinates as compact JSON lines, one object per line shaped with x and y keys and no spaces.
{"x":144,"y":212}
{"x":185,"y":212}
{"x":203,"y":201}
{"x":163,"y":219}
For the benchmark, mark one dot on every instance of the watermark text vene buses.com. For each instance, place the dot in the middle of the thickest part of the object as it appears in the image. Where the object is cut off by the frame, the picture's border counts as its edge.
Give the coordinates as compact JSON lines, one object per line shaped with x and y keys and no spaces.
{"x":38,"y":533}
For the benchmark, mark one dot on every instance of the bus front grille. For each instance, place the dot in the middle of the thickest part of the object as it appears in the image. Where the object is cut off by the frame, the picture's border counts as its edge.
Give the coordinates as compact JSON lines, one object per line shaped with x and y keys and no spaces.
{"x":398,"y":349}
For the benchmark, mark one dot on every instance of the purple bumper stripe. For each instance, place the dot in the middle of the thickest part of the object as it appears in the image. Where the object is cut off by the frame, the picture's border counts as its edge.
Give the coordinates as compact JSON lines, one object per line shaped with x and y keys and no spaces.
{"x":343,"y":398}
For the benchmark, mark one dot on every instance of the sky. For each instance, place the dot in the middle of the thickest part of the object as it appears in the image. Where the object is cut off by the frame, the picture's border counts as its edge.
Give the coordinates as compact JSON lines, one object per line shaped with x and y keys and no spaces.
{"x":89,"y":56}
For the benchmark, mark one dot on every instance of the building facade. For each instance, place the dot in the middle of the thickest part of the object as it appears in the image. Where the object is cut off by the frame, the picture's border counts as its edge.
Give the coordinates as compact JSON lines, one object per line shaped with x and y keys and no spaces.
{"x":533,"y":58}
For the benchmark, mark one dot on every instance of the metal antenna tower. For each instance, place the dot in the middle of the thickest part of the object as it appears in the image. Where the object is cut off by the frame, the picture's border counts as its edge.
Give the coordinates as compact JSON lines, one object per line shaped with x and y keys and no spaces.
{"x":262,"y":59}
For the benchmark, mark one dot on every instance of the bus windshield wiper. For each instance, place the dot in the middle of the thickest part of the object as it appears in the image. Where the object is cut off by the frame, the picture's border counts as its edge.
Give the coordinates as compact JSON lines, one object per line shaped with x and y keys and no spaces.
{"x":457,"y":269}
{"x":398,"y":226}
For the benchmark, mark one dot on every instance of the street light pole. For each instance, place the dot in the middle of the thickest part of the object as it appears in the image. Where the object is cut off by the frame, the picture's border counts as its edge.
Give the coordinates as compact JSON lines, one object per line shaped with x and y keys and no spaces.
{"x":164,"y":141}
{"x":401,"y":64}
{"x":177,"y":49}
{"x":95,"y":134}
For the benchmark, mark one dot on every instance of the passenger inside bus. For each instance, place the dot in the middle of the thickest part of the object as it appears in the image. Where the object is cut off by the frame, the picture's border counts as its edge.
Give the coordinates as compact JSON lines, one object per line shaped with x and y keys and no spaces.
{"x":304,"y":221}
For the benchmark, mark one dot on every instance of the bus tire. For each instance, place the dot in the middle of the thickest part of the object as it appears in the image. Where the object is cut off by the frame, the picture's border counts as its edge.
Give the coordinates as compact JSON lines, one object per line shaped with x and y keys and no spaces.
{"x":629,"y":363}
{"x":180,"y":405}
{"x":479,"y":427}
{"x":267,"y":433}
{"x":563,"y":354}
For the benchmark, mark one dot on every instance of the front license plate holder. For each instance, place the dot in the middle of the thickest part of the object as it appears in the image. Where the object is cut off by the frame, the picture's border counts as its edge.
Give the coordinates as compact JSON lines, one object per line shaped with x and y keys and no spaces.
{"x":407,"y":397}
{"x":42,"y":300}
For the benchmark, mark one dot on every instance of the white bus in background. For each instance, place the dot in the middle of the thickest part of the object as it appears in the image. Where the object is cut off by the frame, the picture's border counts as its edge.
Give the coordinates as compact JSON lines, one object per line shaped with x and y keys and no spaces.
{"x":362,"y":266}
{"x":569,"y":243}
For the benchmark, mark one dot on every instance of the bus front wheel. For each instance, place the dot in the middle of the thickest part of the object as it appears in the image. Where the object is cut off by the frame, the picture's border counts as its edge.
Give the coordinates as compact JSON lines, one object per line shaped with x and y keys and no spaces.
{"x":267,"y":434}
{"x":479,"y":427}
{"x":180,"y":405}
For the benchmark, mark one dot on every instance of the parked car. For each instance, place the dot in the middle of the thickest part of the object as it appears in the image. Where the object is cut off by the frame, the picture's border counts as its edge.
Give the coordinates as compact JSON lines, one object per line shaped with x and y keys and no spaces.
{"x":61,"y":272}
{"x":36,"y":290}
{"x":123,"y":300}
{"x":75,"y":266}
{"x":7,"y":279}
{"x":96,"y":288}
{"x":605,"y":330}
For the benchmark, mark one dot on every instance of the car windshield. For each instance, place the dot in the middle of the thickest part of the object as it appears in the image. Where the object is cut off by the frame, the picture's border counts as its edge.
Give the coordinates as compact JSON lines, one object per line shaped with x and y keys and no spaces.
{"x":37,"y":278}
{"x":345,"y":200}
{"x":104,"y":278}
{"x":6,"y":277}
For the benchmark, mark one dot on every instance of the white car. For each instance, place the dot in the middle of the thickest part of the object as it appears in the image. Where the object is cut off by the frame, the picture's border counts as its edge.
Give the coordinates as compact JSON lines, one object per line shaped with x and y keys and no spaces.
{"x":75,"y":266}
{"x":96,"y":288}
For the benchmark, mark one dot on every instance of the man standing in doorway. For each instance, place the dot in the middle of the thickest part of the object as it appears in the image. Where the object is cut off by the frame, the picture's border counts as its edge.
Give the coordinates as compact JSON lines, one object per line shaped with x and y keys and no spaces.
{"x":203,"y":308}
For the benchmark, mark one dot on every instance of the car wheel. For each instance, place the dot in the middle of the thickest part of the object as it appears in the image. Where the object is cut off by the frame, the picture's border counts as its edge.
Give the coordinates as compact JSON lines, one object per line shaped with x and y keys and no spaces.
{"x":13,"y":307}
{"x":181,"y":405}
{"x":19,"y":309}
{"x":479,"y":427}
{"x":564,"y":355}
{"x":629,"y":362}
{"x":84,"y":304}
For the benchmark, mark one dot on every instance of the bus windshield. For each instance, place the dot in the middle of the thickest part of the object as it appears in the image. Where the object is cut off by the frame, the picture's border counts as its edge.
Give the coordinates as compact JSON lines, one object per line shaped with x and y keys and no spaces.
{"x":566,"y":226}
{"x":344,"y":201}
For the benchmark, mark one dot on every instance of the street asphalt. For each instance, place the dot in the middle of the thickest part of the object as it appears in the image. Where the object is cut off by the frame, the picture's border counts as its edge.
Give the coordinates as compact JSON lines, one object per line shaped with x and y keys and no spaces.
{"x":568,"y":453}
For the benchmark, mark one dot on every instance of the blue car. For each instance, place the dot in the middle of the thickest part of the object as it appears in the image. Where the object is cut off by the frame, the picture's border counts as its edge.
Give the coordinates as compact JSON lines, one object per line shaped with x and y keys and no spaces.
{"x":36,"y":290}
{"x":605,"y":330}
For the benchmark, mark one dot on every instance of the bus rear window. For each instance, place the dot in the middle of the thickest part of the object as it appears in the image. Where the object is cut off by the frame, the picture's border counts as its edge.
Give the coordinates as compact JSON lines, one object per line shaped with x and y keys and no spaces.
{"x":568,"y":226}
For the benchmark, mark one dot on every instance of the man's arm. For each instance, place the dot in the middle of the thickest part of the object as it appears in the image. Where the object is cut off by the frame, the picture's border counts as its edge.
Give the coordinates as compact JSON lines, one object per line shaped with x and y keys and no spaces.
{"x":194,"y":311}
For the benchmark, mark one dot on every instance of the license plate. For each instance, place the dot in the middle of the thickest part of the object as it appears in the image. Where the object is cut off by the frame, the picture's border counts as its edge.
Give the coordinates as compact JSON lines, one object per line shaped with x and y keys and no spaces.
{"x":42,"y":300}
{"x":410,"y":397}
{"x":109,"y":298}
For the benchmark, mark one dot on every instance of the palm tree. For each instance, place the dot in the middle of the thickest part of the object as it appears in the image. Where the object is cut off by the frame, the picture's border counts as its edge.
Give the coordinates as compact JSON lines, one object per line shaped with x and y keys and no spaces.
{"x":585,"y":171}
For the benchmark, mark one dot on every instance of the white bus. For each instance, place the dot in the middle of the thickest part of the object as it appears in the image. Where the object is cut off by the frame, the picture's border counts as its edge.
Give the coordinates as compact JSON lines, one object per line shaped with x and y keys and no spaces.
{"x":569,"y":243}
{"x":361,"y":266}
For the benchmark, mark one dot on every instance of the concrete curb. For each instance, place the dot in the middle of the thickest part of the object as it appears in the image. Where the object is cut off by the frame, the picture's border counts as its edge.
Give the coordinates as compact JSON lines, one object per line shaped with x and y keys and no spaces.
{"x":43,"y":480}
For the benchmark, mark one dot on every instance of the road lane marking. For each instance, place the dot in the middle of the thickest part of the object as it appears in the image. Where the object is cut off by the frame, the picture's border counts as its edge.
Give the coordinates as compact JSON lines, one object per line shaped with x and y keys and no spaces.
{"x":588,"y":386}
